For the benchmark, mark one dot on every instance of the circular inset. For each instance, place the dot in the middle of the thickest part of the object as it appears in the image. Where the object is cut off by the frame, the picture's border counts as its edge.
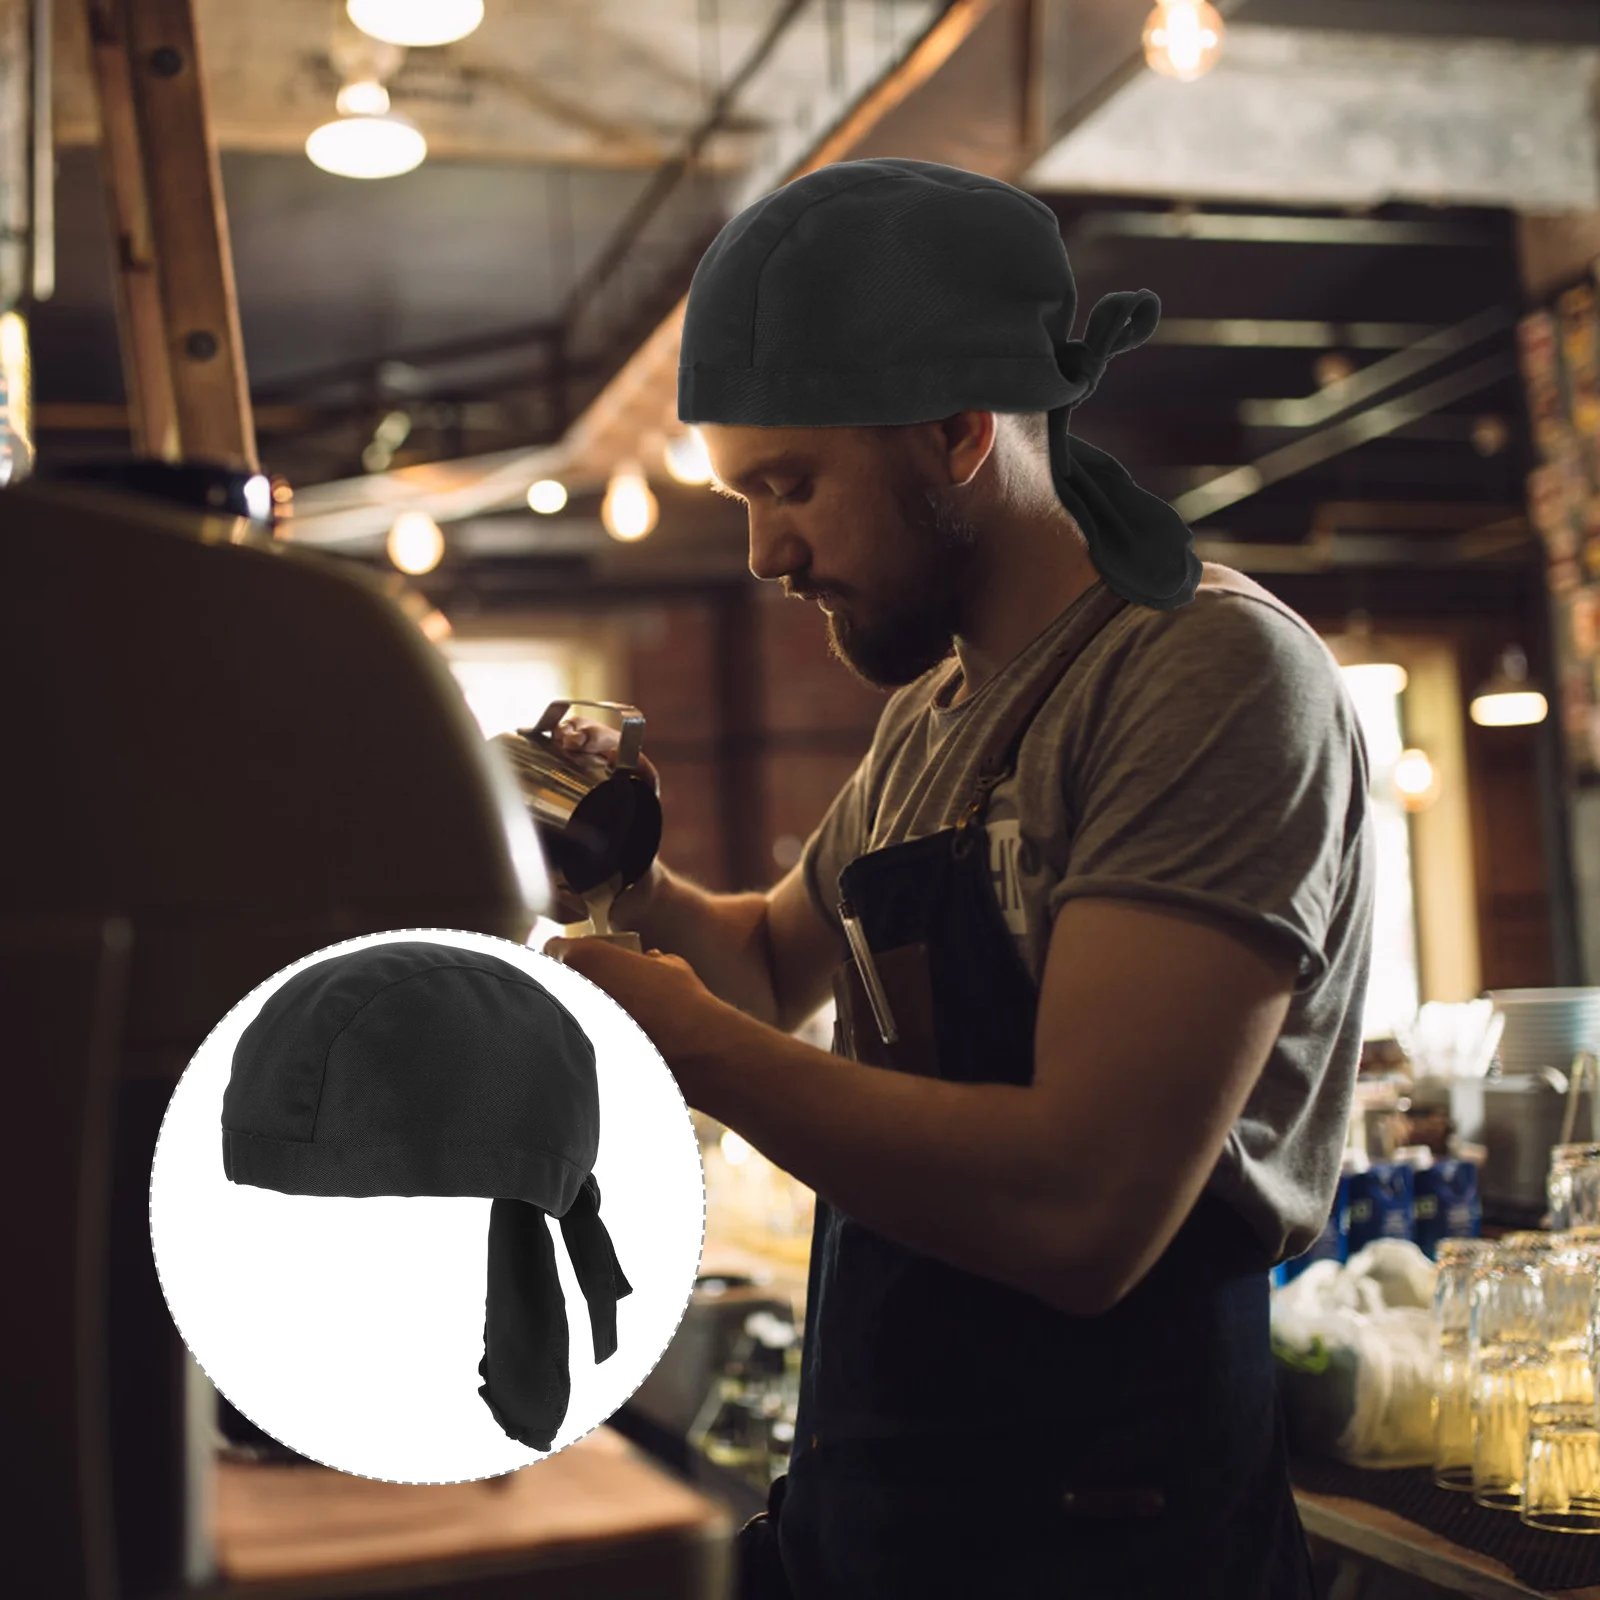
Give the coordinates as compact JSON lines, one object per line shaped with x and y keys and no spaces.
{"x":352,"y":1327}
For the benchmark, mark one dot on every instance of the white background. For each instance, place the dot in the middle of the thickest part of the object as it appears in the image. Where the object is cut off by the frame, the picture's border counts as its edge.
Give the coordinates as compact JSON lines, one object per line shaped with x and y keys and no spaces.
{"x":351,"y":1329}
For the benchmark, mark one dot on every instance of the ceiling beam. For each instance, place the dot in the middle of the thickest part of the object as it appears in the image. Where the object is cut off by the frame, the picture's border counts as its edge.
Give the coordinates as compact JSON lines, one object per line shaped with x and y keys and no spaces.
{"x":642,"y":396}
{"x":1307,"y":411}
{"x":1531,"y":21}
{"x":1185,"y":222}
{"x":1270,"y":333}
{"x":1373,"y":423}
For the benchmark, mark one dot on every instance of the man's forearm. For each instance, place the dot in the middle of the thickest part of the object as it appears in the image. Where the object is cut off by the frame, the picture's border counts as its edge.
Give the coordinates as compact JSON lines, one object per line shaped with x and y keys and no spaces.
{"x":958,"y":1171}
{"x":722,"y":936}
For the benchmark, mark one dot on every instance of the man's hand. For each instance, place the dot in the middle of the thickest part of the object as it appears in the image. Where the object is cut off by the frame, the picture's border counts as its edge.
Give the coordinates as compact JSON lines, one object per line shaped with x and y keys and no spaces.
{"x":661,"y":993}
{"x":577,"y":737}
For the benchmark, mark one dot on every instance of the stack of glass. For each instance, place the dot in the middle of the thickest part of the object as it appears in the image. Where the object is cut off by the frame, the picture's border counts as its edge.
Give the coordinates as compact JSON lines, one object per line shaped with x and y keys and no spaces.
{"x":1508,"y":1365}
{"x":1452,"y":1401}
{"x":1516,"y":1407}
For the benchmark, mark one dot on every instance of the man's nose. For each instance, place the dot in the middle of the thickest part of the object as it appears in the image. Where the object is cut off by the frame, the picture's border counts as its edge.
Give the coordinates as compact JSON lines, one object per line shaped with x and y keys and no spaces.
{"x":776,"y":549}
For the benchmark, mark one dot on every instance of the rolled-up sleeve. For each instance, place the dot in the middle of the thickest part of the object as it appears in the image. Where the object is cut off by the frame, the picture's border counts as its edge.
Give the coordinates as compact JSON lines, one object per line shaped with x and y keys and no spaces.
{"x":1224,"y":774}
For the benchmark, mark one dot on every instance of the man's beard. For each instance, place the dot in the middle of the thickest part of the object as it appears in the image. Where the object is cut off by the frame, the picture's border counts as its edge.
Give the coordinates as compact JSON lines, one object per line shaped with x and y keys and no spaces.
{"x":915,"y":629}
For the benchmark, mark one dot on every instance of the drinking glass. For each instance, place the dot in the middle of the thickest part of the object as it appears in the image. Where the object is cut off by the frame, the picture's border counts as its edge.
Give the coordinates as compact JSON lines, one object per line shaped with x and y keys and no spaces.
{"x":1568,"y":1274}
{"x":1452,"y":1394}
{"x":1562,"y":1474}
{"x":1573,"y":1186}
{"x":1508,"y":1364}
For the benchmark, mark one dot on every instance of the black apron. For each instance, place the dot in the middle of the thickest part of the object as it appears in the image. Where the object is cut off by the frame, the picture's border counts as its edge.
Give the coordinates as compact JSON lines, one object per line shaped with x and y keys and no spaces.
{"x":957,"y":1437}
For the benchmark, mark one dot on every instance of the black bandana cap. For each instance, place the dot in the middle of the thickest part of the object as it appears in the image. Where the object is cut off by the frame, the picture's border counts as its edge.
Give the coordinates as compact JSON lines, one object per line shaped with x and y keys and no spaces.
{"x":888,"y":292}
{"x":422,"y":1069}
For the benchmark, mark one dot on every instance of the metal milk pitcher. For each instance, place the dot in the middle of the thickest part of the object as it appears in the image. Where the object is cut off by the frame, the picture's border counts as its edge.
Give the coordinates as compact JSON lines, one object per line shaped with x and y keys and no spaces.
{"x":596,"y":822}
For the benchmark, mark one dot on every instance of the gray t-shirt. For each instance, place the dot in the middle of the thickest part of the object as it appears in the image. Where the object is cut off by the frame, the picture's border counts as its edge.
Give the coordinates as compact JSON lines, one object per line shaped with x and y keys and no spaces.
{"x":1208,"y":757}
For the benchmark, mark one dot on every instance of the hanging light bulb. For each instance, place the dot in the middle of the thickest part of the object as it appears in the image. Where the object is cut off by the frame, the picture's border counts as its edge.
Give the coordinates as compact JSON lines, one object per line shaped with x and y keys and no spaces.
{"x":415,"y":543}
{"x":418,"y":23}
{"x":629,"y":510}
{"x":686,"y":458}
{"x":1183,"y":38}
{"x":1416,"y":780}
{"x":367,"y":145}
{"x":1367,"y":665}
{"x":365,"y":97}
{"x":1508,"y":700}
{"x":547,"y":496}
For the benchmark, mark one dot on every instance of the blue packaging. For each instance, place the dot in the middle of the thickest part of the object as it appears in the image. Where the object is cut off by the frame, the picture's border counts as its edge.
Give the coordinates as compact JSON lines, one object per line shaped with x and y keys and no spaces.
{"x":1446,"y":1204}
{"x":1382,"y":1204}
{"x":1331,"y":1243}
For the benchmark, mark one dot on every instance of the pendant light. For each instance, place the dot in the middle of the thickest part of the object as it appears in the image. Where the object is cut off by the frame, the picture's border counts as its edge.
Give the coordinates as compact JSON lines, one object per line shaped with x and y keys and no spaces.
{"x":417,"y":23}
{"x":367,"y":140}
{"x":1365,"y":660}
{"x":1183,"y":38}
{"x":1508,"y":699}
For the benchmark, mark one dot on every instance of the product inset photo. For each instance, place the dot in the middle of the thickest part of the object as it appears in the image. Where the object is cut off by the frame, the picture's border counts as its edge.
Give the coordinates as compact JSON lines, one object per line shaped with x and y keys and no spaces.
{"x":357,"y":1194}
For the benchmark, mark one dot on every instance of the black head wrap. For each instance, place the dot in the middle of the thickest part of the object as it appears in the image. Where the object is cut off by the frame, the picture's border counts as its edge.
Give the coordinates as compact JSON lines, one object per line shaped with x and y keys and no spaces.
{"x":887,"y":292}
{"x":422,"y":1069}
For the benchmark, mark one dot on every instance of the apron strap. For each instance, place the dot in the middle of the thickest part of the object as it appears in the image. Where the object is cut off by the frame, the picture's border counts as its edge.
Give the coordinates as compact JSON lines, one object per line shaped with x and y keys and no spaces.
{"x":1005,"y":740}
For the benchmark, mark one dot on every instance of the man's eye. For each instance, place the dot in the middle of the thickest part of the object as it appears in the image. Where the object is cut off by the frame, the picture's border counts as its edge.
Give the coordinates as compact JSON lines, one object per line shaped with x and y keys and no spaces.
{"x":795,"y":495}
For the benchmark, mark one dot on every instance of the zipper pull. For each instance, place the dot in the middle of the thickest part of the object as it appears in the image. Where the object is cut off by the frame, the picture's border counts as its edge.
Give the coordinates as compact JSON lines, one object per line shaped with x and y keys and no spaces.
{"x":859,"y":948}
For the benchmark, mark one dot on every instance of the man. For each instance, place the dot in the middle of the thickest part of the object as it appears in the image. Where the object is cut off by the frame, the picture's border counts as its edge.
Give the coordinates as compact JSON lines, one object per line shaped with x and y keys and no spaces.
{"x":1096,"y":909}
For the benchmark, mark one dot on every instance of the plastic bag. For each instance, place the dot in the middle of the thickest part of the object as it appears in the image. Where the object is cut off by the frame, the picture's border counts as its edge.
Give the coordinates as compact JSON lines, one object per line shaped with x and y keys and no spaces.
{"x":1355,"y":1351}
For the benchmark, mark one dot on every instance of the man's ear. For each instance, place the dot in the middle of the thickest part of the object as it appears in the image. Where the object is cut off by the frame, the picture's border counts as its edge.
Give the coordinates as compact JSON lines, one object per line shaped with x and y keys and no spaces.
{"x":969,"y":438}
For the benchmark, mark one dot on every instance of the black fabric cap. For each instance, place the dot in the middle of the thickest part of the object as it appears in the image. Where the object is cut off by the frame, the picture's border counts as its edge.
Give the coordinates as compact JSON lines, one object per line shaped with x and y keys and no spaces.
{"x":889,"y":291}
{"x":422,"y":1069}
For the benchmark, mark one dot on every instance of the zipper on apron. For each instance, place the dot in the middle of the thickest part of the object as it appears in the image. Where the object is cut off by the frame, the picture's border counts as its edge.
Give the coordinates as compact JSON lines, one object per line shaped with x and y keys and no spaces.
{"x":859,"y":948}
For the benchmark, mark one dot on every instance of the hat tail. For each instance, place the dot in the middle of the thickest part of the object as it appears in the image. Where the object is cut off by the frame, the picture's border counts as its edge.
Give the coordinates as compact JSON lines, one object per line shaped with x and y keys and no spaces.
{"x":1137,"y":542}
{"x":594,"y":1261}
{"x":527,"y":1384}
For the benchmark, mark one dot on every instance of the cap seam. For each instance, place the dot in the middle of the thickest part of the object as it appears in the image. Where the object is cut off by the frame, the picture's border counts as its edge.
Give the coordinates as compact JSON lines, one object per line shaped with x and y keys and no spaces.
{"x":767,"y":254}
{"x":394,"y":983}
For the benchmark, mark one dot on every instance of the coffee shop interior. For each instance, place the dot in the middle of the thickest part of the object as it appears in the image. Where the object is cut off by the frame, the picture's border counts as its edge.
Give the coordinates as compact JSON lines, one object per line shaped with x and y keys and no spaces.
{"x":394,"y":291}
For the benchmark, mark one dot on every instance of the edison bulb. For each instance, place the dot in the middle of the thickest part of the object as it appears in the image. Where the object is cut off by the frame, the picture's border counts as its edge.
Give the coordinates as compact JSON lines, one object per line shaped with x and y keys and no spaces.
{"x":547,"y":496}
{"x":416,"y":543}
{"x":629,"y":510}
{"x":1183,"y":38}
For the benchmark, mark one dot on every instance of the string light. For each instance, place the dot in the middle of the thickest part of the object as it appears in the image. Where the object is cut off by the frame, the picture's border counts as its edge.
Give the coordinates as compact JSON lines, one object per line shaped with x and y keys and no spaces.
{"x":415,"y":544}
{"x":1183,"y":38}
{"x":547,"y":496}
{"x":629,"y":510}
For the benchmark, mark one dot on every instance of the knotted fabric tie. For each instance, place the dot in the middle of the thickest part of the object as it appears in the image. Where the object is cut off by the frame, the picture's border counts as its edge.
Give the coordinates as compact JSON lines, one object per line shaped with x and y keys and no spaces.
{"x":1140,"y":545}
{"x":526,"y":1380}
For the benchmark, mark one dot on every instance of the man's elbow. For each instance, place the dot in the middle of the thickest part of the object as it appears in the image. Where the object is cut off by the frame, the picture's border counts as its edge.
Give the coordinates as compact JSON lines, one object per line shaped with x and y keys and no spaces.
{"x":1086,"y":1291}
{"x":1102,"y":1268}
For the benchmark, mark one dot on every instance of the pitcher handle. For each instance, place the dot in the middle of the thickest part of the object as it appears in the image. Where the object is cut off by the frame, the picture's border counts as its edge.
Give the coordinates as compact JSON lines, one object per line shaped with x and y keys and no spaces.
{"x":1584,"y":1064}
{"x":632,"y":726}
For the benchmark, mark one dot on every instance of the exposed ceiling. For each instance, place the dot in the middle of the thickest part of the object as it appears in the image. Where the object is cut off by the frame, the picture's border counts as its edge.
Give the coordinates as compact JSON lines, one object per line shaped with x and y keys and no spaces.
{"x":461,"y":293}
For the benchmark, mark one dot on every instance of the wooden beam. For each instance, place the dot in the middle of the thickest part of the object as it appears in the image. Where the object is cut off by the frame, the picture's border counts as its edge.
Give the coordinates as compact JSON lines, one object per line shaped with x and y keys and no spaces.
{"x":141,"y":327}
{"x":88,"y":416}
{"x":168,"y":207}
